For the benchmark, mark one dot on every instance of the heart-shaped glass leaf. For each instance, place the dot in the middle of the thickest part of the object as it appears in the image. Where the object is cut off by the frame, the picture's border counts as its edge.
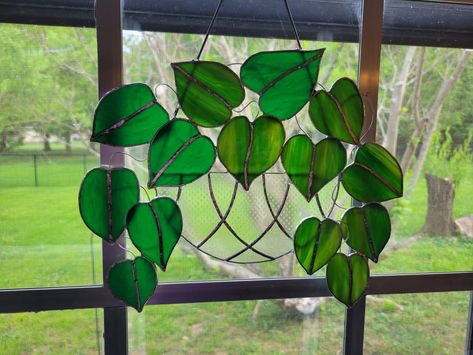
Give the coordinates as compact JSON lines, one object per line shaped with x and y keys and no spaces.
{"x":128,"y":116}
{"x":339,"y":113}
{"x":347,"y":277}
{"x":155,"y":228}
{"x":179,"y":154}
{"x":105,"y":196}
{"x":310,"y":167}
{"x":247,"y":149}
{"x":207,"y":91}
{"x":283,"y":79}
{"x":316,"y":242}
{"x":367,"y":229}
{"x":133,"y":281}
{"x":375,"y":175}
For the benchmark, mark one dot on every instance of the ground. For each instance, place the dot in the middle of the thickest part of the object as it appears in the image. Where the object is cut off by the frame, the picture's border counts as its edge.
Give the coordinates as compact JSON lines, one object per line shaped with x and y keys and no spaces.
{"x":43,"y":242}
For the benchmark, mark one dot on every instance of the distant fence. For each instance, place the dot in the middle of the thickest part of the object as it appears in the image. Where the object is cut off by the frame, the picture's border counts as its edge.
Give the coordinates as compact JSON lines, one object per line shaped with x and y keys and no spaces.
{"x":44,"y":169}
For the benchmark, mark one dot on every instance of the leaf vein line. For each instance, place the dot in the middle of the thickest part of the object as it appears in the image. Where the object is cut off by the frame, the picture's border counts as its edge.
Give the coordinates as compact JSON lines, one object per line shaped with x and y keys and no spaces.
{"x":316,"y":246}
{"x":160,"y":235}
{"x":369,"y":236}
{"x":290,"y":71}
{"x":345,"y":120}
{"x":109,"y":206}
{"x":124,"y":120}
{"x":172,"y":159}
{"x":202,"y":86}
{"x":247,"y":156}
{"x":379,"y":177}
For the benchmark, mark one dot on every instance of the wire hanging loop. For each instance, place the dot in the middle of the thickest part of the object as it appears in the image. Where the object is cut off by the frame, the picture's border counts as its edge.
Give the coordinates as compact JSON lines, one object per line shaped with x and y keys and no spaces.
{"x":217,"y":10}
{"x":291,"y":18}
{"x":209,"y":29}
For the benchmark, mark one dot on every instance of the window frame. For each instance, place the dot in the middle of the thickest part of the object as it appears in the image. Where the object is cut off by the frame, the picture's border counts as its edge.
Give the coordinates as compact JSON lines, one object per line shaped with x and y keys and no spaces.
{"x":110,"y":71}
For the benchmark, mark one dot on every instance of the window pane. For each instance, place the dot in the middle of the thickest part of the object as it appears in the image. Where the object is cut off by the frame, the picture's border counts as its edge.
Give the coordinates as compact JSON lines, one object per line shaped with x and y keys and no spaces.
{"x":425,"y":118}
{"x":432,"y":323}
{"x":265,"y":327}
{"x":147,"y":58}
{"x":52,"y":332}
{"x":48,"y":94}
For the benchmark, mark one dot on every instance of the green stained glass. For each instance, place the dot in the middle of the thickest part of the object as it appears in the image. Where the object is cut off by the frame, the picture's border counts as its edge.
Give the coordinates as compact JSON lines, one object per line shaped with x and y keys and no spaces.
{"x":283,"y":79}
{"x":207,"y":91}
{"x":105,"y":197}
{"x":128,"y":116}
{"x":375,"y":175}
{"x":340,"y":112}
{"x":179,"y":154}
{"x":248,"y":149}
{"x":367,"y":229}
{"x":155,"y":228}
{"x":310,"y":167}
{"x":315,"y":243}
{"x":133,"y":281}
{"x":347,"y":277}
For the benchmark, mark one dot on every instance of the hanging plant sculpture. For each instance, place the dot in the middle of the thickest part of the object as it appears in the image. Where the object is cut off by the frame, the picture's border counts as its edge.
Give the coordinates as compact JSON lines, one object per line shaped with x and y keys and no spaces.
{"x":179,"y":154}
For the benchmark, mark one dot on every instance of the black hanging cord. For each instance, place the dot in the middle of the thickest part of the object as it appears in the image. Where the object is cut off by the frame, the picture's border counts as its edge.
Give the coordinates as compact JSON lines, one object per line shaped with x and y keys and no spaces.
{"x":293,"y":24}
{"x":211,"y":25}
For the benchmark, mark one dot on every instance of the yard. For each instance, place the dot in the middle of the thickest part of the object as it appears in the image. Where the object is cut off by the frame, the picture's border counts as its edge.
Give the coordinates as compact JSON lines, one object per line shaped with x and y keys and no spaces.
{"x":43,"y":242}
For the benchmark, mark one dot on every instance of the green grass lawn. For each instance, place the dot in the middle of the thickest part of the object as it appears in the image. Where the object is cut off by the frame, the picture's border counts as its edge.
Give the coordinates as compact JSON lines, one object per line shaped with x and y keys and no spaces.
{"x":43,"y":242}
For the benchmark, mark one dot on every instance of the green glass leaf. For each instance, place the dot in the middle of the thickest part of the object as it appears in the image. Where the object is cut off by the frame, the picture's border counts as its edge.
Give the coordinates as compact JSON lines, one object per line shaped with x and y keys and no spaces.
{"x":367,"y":229}
{"x":283,"y":79}
{"x":339,"y":113}
{"x":347,"y":277}
{"x":375,"y":175}
{"x":128,"y":116}
{"x":105,"y":197}
{"x":207,"y":91}
{"x":133,"y":281}
{"x":315,"y":243}
{"x":179,"y":154}
{"x":247,"y":149}
{"x":155,"y":228}
{"x":310,"y":167}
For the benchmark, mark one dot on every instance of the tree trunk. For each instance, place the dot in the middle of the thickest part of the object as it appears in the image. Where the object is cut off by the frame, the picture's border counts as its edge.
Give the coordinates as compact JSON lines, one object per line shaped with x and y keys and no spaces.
{"x":411,"y":148}
{"x":433,"y":117}
{"x":441,"y":193}
{"x":398,"y":92}
{"x":3,"y":141}
{"x":46,"y":144}
{"x":67,"y":144}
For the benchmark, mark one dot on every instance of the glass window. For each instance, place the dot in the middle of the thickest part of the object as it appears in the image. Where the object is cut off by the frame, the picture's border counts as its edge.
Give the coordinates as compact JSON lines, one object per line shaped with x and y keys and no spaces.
{"x":48,"y":93}
{"x":263,"y":327}
{"x":53,"y":332}
{"x":425,"y":118}
{"x":427,"y":323}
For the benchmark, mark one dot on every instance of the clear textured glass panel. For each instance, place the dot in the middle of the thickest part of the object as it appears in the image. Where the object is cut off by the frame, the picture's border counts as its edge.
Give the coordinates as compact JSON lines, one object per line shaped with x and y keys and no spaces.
{"x":431,"y":323}
{"x":52,"y":332}
{"x":259,"y":327}
{"x":249,"y":233}
{"x":48,"y":94}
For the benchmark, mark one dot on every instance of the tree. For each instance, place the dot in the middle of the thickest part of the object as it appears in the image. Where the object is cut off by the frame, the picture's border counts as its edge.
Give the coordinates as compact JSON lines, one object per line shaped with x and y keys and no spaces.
{"x":445,"y":168}
{"x":48,"y":82}
{"x":17,"y":68}
{"x":70,"y":71}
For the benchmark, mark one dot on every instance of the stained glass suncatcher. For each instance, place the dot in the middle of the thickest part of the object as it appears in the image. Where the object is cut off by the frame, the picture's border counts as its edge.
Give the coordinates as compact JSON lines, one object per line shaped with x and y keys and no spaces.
{"x":236,"y":169}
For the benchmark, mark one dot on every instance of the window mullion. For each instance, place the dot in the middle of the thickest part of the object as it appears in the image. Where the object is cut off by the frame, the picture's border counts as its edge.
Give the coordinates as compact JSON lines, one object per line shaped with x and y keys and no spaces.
{"x":368,"y":81}
{"x":469,"y":329}
{"x":108,"y":15}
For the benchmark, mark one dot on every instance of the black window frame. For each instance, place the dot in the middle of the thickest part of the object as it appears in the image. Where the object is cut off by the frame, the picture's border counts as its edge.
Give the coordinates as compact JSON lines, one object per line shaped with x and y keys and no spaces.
{"x":108,"y":20}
